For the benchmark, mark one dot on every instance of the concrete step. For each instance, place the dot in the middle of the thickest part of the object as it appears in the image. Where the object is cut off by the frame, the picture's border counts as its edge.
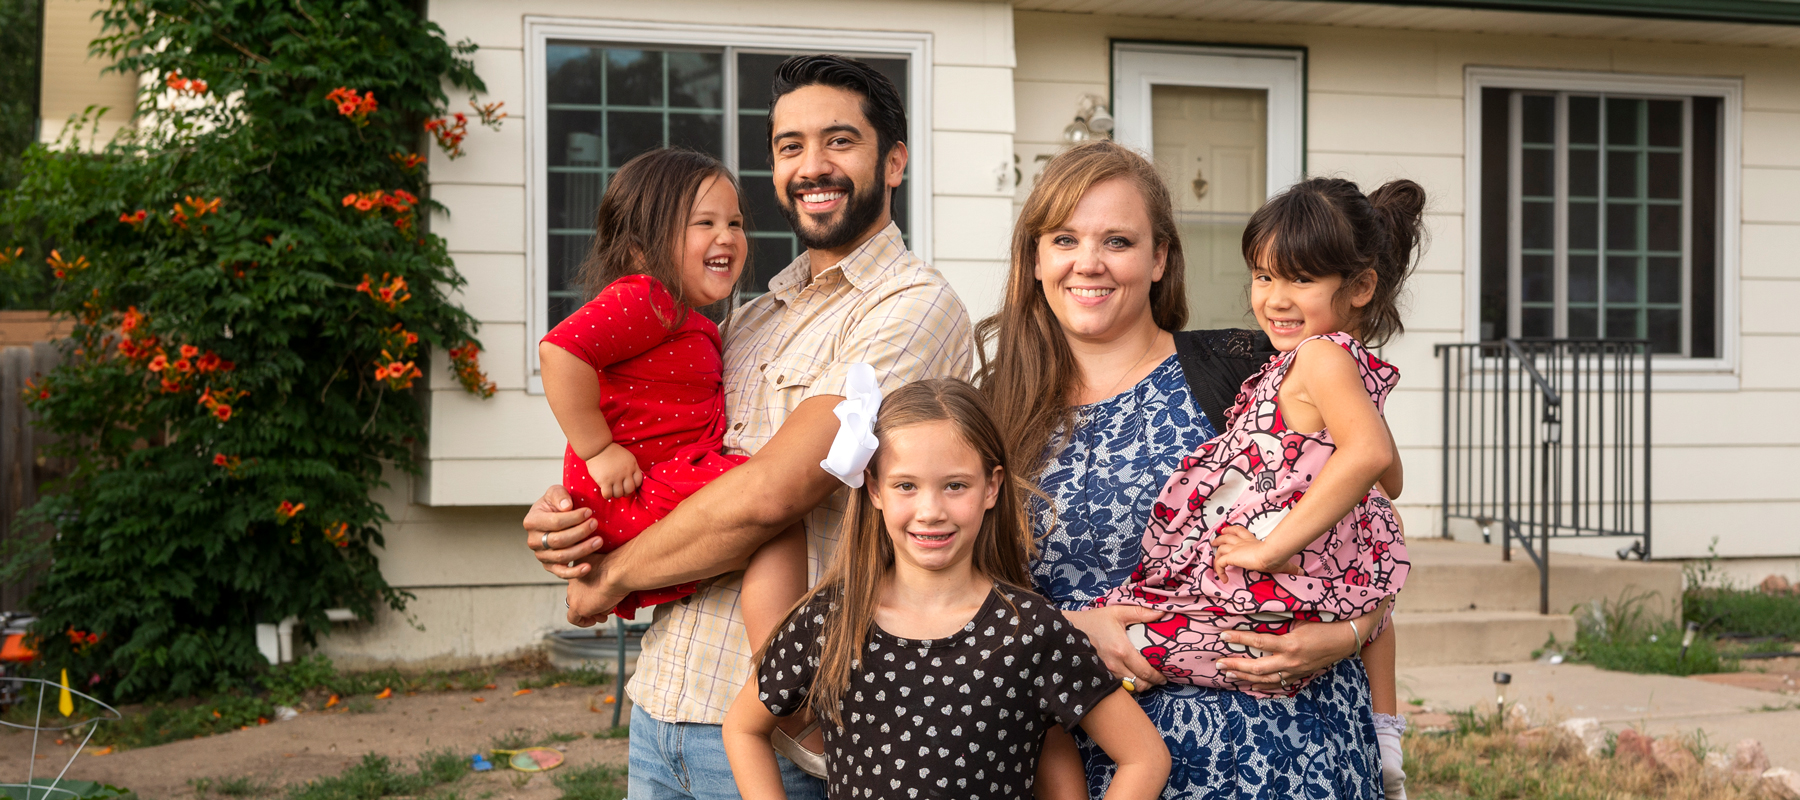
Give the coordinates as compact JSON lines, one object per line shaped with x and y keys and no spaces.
{"x":1430,"y":638}
{"x":1469,"y":576}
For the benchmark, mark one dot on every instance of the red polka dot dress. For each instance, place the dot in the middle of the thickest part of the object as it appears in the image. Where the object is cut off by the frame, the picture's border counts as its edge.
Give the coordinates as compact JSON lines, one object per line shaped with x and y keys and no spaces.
{"x":660,"y":389}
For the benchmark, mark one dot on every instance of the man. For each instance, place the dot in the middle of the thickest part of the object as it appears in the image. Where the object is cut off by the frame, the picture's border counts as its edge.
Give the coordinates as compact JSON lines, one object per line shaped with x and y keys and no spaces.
{"x":837,"y":132}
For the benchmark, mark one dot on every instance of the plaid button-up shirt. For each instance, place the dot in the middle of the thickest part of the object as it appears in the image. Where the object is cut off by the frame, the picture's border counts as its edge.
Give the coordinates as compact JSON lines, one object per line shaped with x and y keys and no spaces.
{"x":882,"y":306}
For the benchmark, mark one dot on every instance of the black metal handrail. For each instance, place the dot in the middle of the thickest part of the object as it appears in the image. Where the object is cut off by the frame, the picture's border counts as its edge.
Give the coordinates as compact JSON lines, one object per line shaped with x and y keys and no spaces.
{"x":1509,"y":461}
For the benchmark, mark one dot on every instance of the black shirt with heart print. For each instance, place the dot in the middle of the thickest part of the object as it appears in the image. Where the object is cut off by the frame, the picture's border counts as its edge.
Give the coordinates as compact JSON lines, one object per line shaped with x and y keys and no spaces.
{"x":961,"y":717}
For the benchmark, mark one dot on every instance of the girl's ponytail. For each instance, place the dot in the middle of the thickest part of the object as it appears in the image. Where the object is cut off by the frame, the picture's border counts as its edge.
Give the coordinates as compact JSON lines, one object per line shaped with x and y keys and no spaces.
{"x":1399,"y":208}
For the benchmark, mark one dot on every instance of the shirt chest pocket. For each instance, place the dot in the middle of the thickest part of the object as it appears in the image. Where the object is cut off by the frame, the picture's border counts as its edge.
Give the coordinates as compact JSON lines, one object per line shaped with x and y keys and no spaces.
{"x":792,"y":372}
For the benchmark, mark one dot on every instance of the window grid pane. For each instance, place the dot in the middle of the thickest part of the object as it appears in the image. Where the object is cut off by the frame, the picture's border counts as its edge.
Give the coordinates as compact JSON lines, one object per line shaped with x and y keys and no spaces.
{"x":663,"y":97}
{"x":1537,"y":293}
{"x":1653,"y":229}
{"x":1624,"y":243}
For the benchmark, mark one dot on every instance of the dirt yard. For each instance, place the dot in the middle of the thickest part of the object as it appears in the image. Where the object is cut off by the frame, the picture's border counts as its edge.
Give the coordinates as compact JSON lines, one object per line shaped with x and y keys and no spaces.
{"x":1769,"y":675}
{"x":324,"y":743}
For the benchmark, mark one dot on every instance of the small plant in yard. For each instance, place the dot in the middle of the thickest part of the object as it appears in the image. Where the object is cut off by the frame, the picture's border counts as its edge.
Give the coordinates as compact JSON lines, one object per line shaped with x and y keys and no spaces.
{"x":240,"y":786}
{"x":580,"y":676}
{"x":598,"y":782}
{"x":1720,"y":605}
{"x":1747,"y":612}
{"x":1623,"y":634}
{"x":255,"y":295}
{"x":516,"y":739}
{"x":378,"y":776}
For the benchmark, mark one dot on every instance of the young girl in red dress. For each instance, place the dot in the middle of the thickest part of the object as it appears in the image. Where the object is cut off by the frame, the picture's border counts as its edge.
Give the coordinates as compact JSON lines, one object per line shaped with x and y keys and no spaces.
{"x":634,"y":376}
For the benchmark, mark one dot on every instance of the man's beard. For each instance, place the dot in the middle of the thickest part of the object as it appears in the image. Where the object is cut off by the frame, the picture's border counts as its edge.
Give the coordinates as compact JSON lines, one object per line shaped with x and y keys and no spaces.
{"x":861,"y":210}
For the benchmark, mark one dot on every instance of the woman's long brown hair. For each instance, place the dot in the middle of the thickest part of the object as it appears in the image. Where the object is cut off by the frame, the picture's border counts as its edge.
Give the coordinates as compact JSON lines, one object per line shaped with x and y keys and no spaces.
{"x":1031,"y":375}
{"x":851,"y":586}
{"x":640,"y":226}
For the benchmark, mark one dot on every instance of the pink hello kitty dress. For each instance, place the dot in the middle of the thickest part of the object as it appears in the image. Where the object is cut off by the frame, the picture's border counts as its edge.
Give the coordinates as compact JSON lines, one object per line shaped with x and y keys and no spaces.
{"x":1251,"y":476}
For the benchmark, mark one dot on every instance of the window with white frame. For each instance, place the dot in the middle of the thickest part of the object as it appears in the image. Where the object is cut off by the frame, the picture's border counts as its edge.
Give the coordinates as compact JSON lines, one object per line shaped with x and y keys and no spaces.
{"x":608,"y":95}
{"x":1602,"y":213}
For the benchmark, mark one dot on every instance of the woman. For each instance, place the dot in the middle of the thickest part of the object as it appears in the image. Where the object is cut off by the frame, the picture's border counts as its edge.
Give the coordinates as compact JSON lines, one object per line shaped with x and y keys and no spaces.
{"x":1093,"y":301}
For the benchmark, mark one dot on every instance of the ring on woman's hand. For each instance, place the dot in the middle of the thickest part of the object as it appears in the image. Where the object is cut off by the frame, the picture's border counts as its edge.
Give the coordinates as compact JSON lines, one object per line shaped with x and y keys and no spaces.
{"x":1130,"y":684}
{"x":1283,"y":678}
{"x":571,"y":563}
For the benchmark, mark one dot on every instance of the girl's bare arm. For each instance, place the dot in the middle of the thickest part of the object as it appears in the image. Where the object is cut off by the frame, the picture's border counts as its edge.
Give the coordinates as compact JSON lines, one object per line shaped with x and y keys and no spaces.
{"x":1329,"y":381}
{"x":746,"y":735}
{"x":1119,"y":726}
{"x":1060,"y":774}
{"x":573,"y":389}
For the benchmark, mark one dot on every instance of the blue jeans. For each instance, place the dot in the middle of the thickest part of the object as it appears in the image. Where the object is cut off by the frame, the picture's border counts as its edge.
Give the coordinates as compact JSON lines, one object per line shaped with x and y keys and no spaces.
{"x":681,"y":760}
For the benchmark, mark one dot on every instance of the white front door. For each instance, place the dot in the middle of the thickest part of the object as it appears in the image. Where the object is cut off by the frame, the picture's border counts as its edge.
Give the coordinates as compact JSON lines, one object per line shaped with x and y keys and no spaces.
{"x":1224,"y":127}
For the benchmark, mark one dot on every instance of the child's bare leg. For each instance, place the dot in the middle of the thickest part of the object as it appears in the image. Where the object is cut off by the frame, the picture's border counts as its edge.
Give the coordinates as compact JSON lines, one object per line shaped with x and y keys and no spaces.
{"x":1060,"y":775}
{"x":773,"y":582}
{"x":1378,"y":659}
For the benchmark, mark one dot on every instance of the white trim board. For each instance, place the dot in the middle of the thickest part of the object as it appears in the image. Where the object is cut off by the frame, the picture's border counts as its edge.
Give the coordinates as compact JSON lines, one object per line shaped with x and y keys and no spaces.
{"x":1672,"y":372}
{"x":539,"y":30}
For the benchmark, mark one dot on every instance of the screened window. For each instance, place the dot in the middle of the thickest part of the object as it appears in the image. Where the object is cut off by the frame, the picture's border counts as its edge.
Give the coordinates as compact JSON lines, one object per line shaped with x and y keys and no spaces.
{"x":609,"y":102}
{"x":1601,"y":218}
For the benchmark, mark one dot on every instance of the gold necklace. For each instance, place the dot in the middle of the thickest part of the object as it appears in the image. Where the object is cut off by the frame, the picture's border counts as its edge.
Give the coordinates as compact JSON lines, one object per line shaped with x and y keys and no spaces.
{"x":1112,"y":392}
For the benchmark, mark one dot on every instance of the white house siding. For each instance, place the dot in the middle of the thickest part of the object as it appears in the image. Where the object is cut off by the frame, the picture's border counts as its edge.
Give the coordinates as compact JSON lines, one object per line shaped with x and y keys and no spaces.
{"x":72,"y":79}
{"x":1389,"y":104}
{"x":455,"y":541}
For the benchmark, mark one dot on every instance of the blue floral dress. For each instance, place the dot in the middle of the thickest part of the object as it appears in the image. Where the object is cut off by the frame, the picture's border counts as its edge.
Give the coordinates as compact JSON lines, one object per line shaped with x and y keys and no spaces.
{"x":1226,"y":745}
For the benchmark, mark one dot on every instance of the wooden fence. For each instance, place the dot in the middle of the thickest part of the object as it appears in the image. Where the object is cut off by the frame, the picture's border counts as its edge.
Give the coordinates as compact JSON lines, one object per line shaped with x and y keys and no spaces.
{"x":23,"y":468}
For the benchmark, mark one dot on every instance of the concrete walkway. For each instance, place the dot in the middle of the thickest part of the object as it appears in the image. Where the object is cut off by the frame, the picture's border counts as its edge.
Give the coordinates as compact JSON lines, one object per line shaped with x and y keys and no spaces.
{"x":1654,"y":704}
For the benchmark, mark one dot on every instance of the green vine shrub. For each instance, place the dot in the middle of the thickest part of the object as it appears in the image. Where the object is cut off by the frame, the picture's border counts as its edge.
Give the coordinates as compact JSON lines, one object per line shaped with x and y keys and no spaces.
{"x":254,"y":290}
{"x":21,"y":42}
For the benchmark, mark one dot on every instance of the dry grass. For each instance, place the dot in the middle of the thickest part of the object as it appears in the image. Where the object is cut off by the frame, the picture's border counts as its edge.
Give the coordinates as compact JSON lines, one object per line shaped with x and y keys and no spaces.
{"x":1488,"y":761}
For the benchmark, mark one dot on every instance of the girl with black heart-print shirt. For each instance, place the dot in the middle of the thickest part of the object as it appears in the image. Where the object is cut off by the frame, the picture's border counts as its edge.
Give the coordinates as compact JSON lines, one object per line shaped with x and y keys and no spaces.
{"x":934,"y":675}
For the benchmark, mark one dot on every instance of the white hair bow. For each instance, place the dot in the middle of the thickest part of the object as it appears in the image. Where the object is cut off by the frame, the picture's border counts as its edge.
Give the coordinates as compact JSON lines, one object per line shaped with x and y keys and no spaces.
{"x":855,"y":442}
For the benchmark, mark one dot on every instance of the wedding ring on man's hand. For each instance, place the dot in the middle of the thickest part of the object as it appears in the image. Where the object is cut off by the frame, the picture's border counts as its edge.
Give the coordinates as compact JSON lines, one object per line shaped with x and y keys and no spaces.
{"x":1129,"y":683}
{"x":543,"y":541}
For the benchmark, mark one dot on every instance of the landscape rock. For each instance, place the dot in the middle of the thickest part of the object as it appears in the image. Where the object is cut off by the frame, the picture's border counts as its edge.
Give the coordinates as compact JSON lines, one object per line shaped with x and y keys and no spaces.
{"x":1776,"y":585}
{"x":1518,"y":716}
{"x":1717,"y":766}
{"x":1634,"y":746}
{"x":1589,"y":731}
{"x":1781,"y":784}
{"x":1748,"y":756}
{"x":1674,"y":757}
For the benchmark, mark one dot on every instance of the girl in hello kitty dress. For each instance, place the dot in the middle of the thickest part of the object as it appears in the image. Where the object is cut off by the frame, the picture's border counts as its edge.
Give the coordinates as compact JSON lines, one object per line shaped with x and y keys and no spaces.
{"x":1286,"y":517}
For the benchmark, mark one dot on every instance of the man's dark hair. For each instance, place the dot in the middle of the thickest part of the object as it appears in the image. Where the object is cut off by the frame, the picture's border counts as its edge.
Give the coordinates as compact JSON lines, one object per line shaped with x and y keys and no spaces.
{"x":881,"y":102}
